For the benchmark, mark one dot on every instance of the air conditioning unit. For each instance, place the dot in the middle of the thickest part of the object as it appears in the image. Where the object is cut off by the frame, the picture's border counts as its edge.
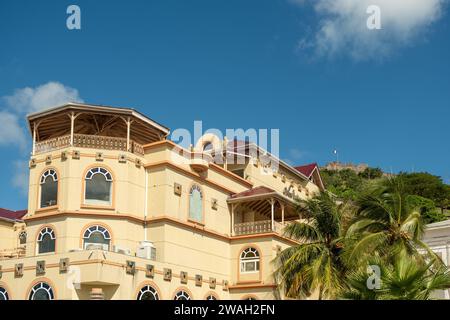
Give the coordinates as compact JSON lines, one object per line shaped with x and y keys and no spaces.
{"x":122,"y":250}
{"x":96,"y":246}
{"x":146,"y":250}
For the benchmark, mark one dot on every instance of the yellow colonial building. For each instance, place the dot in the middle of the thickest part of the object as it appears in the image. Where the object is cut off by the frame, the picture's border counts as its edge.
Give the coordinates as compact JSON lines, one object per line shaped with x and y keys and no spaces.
{"x":118,"y":211}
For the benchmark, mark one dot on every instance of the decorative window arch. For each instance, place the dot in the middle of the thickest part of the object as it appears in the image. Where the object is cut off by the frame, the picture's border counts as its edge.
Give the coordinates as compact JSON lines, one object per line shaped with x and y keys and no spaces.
{"x":211,"y":297}
{"x":97,"y":235}
{"x":41,"y":291}
{"x":148,"y":293}
{"x":249,"y":260}
{"x":46,"y":240}
{"x":48,"y":189}
{"x":4,"y":294}
{"x":182,"y":295}
{"x":249,"y":298}
{"x":98,"y":187}
{"x":22,"y":237}
{"x":196,"y":203}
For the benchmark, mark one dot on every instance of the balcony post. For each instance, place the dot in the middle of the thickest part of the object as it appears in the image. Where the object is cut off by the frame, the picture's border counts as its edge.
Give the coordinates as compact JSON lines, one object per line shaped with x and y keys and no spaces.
{"x":232,"y":219}
{"x":282,"y":214}
{"x":72,"y":123}
{"x":128,"y":133}
{"x":272,"y":205}
{"x":34,"y":139}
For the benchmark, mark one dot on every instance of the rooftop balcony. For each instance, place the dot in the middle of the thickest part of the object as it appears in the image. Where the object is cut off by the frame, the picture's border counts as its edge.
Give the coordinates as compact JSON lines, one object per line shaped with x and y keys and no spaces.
{"x":88,"y":141}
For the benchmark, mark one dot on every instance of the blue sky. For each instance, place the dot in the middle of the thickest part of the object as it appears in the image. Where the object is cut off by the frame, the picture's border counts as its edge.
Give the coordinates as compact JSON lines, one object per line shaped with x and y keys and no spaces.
{"x":379,"y":96}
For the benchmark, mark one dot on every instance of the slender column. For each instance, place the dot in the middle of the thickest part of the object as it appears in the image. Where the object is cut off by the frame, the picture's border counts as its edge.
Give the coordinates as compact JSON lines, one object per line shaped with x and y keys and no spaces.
{"x":128,"y":133}
{"x":282,"y":214}
{"x":72,"y":123}
{"x":272,"y":205}
{"x":34,"y":139}
{"x":232,"y":219}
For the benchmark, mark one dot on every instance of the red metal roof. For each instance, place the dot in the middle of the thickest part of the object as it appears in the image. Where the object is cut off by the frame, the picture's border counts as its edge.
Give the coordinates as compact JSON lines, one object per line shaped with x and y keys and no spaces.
{"x":307,"y":169}
{"x":253,"y":192}
{"x":12,"y":215}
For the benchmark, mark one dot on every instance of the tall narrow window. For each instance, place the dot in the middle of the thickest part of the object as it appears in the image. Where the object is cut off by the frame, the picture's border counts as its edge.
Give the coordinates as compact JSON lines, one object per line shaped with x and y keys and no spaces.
{"x":49,"y":188}
{"x":98,"y":187}
{"x":97,"y":235}
{"x":196,"y":204}
{"x":249,"y":260}
{"x":46,"y":240}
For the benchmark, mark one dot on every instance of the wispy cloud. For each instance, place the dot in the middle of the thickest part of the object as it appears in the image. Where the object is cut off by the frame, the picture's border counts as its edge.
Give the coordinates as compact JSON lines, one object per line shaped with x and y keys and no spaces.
{"x":11,"y":133}
{"x":342,"y":27}
{"x":20,"y":177}
{"x":23,"y":101}
{"x":48,"y":95}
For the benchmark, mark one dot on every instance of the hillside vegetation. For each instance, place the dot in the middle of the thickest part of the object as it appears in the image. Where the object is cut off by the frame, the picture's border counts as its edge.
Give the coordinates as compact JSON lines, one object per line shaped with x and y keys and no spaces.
{"x":425,"y":191}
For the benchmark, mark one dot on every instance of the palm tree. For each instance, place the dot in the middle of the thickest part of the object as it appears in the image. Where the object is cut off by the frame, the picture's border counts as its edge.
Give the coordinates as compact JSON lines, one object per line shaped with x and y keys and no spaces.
{"x":314,"y":265}
{"x":385,"y":223}
{"x":407,"y":278}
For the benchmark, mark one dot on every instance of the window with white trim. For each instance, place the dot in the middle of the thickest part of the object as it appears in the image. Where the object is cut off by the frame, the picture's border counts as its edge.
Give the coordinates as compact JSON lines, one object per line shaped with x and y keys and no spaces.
{"x":182,"y":295}
{"x":98,"y":187}
{"x":48,"y":189}
{"x":148,"y":293}
{"x":249,"y":260}
{"x":97,"y":235}
{"x":41,"y":291}
{"x":196,"y":203}
{"x":211,"y":297}
{"x":46,"y":240}
{"x":3,"y":294}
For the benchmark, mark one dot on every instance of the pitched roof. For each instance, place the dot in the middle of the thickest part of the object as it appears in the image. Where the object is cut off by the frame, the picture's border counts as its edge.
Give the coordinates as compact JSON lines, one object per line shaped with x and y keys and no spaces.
{"x":12,"y":215}
{"x":307,"y":169}
{"x":253,"y":192}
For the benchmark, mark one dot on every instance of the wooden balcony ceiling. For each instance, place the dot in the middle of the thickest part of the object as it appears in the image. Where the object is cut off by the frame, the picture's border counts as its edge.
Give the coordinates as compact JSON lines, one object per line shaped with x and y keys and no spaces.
{"x":95,"y":120}
{"x":258,"y":200}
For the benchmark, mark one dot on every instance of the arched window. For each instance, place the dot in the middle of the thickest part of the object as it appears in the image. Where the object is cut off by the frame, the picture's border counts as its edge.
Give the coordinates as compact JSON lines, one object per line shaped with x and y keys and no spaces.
{"x":46,"y":240}
{"x":3,"y":294}
{"x":23,"y":237}
{"x":41,"y":291}
{"x":98,"y":187}
{"x":97,"y":235}
{"x":49,"y":188}
{"x":250,"y":298}
{"x":148,"y":293}
{"x":195,"y":204}
{"x":182,"y":295}
{"x":249,"y":260}
{"x":211,"y":297}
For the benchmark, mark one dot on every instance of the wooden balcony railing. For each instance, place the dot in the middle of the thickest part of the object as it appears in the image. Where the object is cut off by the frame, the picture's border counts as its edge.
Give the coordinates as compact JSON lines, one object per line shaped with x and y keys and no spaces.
{"x":88,"y":141}
{"x":255,"y":227}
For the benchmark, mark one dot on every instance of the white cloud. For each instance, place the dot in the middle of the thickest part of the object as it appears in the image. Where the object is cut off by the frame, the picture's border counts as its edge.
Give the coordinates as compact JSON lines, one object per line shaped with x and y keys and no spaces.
{"x":342,"y":27}
{"x":28,"y":100}
{"x":51,"y":94}
{"x":11,"y":133}
{"x":20,"y":176}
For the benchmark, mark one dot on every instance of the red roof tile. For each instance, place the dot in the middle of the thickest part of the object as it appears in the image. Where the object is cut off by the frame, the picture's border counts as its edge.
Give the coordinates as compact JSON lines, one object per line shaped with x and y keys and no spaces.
{"x":12,"y":215}
{"x":307,"y":169}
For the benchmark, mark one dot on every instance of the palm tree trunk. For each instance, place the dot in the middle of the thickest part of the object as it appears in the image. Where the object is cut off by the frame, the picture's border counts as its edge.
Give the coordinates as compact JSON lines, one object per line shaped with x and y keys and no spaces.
{"x":320,"y":292}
